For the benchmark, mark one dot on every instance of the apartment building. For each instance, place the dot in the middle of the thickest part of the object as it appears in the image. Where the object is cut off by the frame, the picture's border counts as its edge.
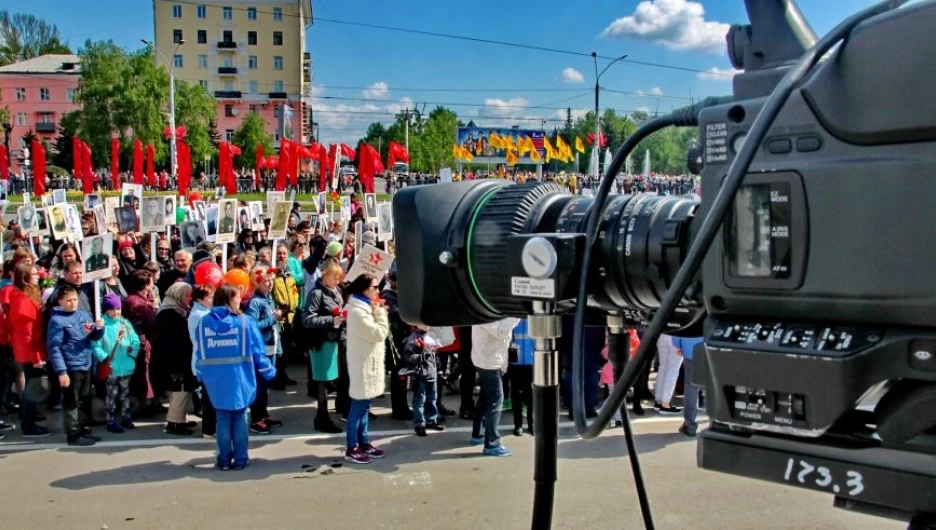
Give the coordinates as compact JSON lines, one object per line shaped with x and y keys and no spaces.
{"x":249,"y":54}
{"x":38,"y":93}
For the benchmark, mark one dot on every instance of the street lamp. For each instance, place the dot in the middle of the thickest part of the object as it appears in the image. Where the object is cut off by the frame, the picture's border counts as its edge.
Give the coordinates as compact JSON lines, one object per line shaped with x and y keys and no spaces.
{"x":597,"y":144}
{"x":172,"y":125}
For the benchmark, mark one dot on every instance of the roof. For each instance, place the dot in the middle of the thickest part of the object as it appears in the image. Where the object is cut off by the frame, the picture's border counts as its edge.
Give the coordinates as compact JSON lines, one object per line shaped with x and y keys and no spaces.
{"x":46,"y":64}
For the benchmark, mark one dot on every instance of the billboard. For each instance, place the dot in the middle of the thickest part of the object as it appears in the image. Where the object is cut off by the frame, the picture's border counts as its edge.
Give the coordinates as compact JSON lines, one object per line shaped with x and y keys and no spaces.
{"x":476,"y":140}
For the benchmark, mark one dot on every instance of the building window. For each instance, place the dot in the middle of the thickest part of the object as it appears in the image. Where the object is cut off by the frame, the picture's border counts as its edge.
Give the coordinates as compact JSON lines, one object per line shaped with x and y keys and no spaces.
{"x":229,"y":111}
{"x":176,"y":36}
{"x":46,"y":117}
{"x":252,"y":62}
{"x":277,"y":62}
{"x":228,"y":61}
{"x":277,"y":38}
{"x":203,"y":83}
{"x":70,"y":94}
{"x":278,"y":86}
{"x":229,"y":86}
{"x":20,"y":94}
{"x":252,"y":38}
{"x":177,"y":61}
{"x":253,"y":108}
{"x":202,"y":36}
{"x":44,"y":94}
{"x":202,"y":12}
{"x":229,"y":134}
{"x":176,"y":11}
{"x":227,"y":35}
{"x":21,"y":119}
{"x":251,"y":13}
{"x":203,"y":61}
{"x":227,"y":13}
{"x":276,"y":137}
{"x":252,"y":88}
{"x":278,"y":14}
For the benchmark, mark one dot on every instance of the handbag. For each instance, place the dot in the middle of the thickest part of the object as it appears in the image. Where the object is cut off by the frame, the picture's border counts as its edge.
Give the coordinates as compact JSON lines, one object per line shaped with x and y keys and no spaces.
{"x":103,"y":370}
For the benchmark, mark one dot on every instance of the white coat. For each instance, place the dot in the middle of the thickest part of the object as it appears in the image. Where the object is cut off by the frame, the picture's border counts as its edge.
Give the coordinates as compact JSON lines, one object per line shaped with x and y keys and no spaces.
{"x":368,"y":328}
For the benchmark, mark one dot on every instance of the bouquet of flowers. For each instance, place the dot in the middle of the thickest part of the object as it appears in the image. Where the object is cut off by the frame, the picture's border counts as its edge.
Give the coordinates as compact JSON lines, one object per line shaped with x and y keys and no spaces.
{"x":45,"y":279}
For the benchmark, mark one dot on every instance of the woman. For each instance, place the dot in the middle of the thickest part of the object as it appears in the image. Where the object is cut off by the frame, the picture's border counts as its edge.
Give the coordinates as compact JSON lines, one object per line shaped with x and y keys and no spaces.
{"x":228,"y":368}
{"x":297,"y":248}
{"x":327,"y":336}
{"x":245,"y":240}
{"x":202,"y":302}
{"x":140,"y":312}
{"x":28,"y":343}
{"x":128,"y":261}
{"x":261,"y":310}
{"x":286,"y":300}
{"x":368,"y":328}
{"x":66,"y":254}
{"x":113,"y":284}
{"x":171,"y":367}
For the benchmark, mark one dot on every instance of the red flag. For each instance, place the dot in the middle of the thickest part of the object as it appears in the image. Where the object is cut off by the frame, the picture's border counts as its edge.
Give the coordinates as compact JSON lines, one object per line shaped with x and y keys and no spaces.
{"x":39,"y":168}
{"x":4,"y":163}
{"x":151,"y":163}
{"x":115,"y":162}
{"x":283,"y":167}
{"x":396,"y":152}
{"x":259,"y":166}
{"x":231,"y":182}
{"x":87,"y":170}
{"x":137,"y":161}
{"x":184,"y":172}
{"x":348,"y":151}
{"x":224,"y":159}
{"x":294,"y":154}
{"x":76,"y":158}
{"x":368,"y":164}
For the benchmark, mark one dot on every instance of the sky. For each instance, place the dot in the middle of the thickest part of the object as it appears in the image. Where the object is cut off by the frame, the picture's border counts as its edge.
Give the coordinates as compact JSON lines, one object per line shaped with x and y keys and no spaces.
{"x":363,"y":74}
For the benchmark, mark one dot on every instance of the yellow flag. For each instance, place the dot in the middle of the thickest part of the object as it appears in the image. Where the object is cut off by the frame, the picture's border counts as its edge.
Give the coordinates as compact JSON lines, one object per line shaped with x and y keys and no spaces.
{"x":495,"y":141}
{"x":511,"y":158}
{"x":509,"y":144}
{"x":579,"y":145}
{"x":565,"y":152}
{"x":550,"y":152}
{"x":535,"y":156}
{"x":525,"y":145}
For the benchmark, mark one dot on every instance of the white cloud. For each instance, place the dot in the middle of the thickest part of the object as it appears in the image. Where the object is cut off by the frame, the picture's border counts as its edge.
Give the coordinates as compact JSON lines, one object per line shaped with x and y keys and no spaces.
{"x":718,"y":74}
{"x":502,"y":107}
{"x":677,"y":24}
{"x":653,"y":92}
{"x":643,"y":109}
{"x":378,"y":90}
{"x":315,"y":91}
{"x":571,"y":75}
{"x":405,"y":103}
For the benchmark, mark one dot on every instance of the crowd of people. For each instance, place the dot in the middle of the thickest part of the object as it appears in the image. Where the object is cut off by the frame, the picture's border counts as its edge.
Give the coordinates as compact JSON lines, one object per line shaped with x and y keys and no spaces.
{"x":297,"y":307}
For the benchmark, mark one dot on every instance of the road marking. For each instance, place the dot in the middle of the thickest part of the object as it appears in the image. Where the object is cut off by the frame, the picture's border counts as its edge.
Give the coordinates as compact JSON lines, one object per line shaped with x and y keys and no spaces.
{"x":156,"y":442}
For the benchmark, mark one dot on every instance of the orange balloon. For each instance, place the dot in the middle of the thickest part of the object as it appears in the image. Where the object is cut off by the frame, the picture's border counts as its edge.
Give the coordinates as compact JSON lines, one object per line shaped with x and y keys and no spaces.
{"x":240,"y":279}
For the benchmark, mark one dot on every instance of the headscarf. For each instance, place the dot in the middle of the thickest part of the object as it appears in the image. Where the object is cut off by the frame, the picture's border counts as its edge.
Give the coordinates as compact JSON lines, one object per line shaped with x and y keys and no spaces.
{"x":175,"y":295}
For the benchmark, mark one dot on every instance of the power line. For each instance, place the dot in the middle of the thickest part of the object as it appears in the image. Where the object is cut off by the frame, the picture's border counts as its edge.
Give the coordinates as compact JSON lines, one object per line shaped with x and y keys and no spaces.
{"x":453,"y":104}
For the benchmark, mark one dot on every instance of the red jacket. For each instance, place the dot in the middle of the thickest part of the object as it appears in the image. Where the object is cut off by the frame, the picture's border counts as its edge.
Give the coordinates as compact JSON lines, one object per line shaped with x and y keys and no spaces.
{"x":29,"y":340}
{"x":5,"y":293}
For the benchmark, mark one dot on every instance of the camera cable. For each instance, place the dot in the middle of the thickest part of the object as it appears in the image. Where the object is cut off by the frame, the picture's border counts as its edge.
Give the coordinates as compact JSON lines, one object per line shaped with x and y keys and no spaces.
{"x":712,"y":222}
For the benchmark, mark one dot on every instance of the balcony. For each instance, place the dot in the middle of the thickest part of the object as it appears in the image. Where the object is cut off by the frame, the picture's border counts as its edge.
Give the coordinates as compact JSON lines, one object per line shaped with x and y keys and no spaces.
{"x":227,"y":45}
{"x":227,"y":94}
{"x":45,"y":127}
{"x":277,"y":95}
{"x":227,"y":70}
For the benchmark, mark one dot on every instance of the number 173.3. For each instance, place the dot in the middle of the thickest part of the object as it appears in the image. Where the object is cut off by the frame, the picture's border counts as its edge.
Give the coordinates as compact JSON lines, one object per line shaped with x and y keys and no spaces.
{"x":854,"y":481}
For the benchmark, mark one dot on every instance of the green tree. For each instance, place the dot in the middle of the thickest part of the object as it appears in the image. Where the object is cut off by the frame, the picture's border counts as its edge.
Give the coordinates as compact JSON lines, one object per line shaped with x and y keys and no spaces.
{"x":24,"y":36}
{"x":213,"y":132}
{"x":4,"y":111}
{"x":252,"y":131}
{"x":68,"y":127}
{"x":431,"y":147}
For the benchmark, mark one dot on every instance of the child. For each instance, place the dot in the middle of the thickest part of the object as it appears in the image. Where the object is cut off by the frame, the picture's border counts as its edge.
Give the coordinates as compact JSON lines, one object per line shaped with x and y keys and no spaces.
{"x":229,"y":355}
{"x":260,"y":309}
{"x":419,"y":352}
{"x":71,"y":331}
{"x":119,"y":347}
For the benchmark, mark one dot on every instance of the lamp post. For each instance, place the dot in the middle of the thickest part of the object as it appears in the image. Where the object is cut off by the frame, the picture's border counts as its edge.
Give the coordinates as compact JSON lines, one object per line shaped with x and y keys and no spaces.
{"x":172,"y":125}
{"x":597,"y":145}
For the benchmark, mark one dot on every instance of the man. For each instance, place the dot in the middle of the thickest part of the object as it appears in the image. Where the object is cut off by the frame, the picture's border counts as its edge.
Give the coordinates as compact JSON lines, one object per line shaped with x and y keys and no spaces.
{"x":58,"y":223}
{"x":490,"y":343}
{"x":257,"y":217}
{"x":304,"y":228}
{"x":27,"y":218}
{"x":183,"y":263}
{"x":684,"y":347}
{"x":162,"y":256}
{"x":227,"y":219}
{"x":98,"y":260}
{"x":152,"y":214}
{"x":130,"y":199}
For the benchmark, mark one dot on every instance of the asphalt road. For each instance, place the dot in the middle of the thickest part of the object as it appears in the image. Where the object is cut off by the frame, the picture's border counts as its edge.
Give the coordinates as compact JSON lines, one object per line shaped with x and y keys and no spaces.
{"x":297,"y":478}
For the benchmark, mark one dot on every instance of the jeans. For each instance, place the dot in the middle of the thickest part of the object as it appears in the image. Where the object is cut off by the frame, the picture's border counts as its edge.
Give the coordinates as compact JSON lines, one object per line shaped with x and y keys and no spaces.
{"x":209,"y":415}
{"x":424,"y":394}
{"x":489,"y":405}
{"x":691,"y":398}
{"x":232,"y":438}
{"x":76,"y":402}
{"x":521,"y":393}
{"x":31,"y":389}
{"x":258,"y":409}
{"x":667,"y":374}
{"x":357,"y":423}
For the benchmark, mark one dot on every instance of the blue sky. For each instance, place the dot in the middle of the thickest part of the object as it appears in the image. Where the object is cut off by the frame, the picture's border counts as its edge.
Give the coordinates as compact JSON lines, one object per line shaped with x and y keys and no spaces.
{"x":397,"y":65}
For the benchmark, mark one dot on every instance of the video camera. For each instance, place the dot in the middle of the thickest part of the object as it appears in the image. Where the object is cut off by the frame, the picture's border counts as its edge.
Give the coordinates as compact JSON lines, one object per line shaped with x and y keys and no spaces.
{"x":816,"y":296}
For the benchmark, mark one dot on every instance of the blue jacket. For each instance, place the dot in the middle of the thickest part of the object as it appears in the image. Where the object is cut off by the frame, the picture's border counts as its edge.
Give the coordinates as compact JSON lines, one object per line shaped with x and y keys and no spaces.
{"x":124,"y":361}
{"x":67,"y":343}
{"x":260,"y":308}
{"x":523,"y":343}
{"x":195,"y":317}
{"x":228,"y":350}
{"x":686,"y":345}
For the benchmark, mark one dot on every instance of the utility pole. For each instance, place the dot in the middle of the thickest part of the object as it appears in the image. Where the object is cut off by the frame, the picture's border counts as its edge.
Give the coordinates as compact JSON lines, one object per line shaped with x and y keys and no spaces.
{"x":173,"y":150}
{"x":596,"y":146}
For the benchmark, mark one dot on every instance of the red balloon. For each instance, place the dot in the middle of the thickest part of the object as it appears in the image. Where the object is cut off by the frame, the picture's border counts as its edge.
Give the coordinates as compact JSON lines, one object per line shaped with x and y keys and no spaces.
{"x":209,"y":273}
{"x":240,"y":279}
{"x":194,"y":196}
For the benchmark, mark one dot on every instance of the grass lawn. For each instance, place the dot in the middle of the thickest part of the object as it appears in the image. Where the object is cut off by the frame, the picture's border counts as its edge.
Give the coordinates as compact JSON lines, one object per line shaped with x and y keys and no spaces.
{"x":301,"y":197}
